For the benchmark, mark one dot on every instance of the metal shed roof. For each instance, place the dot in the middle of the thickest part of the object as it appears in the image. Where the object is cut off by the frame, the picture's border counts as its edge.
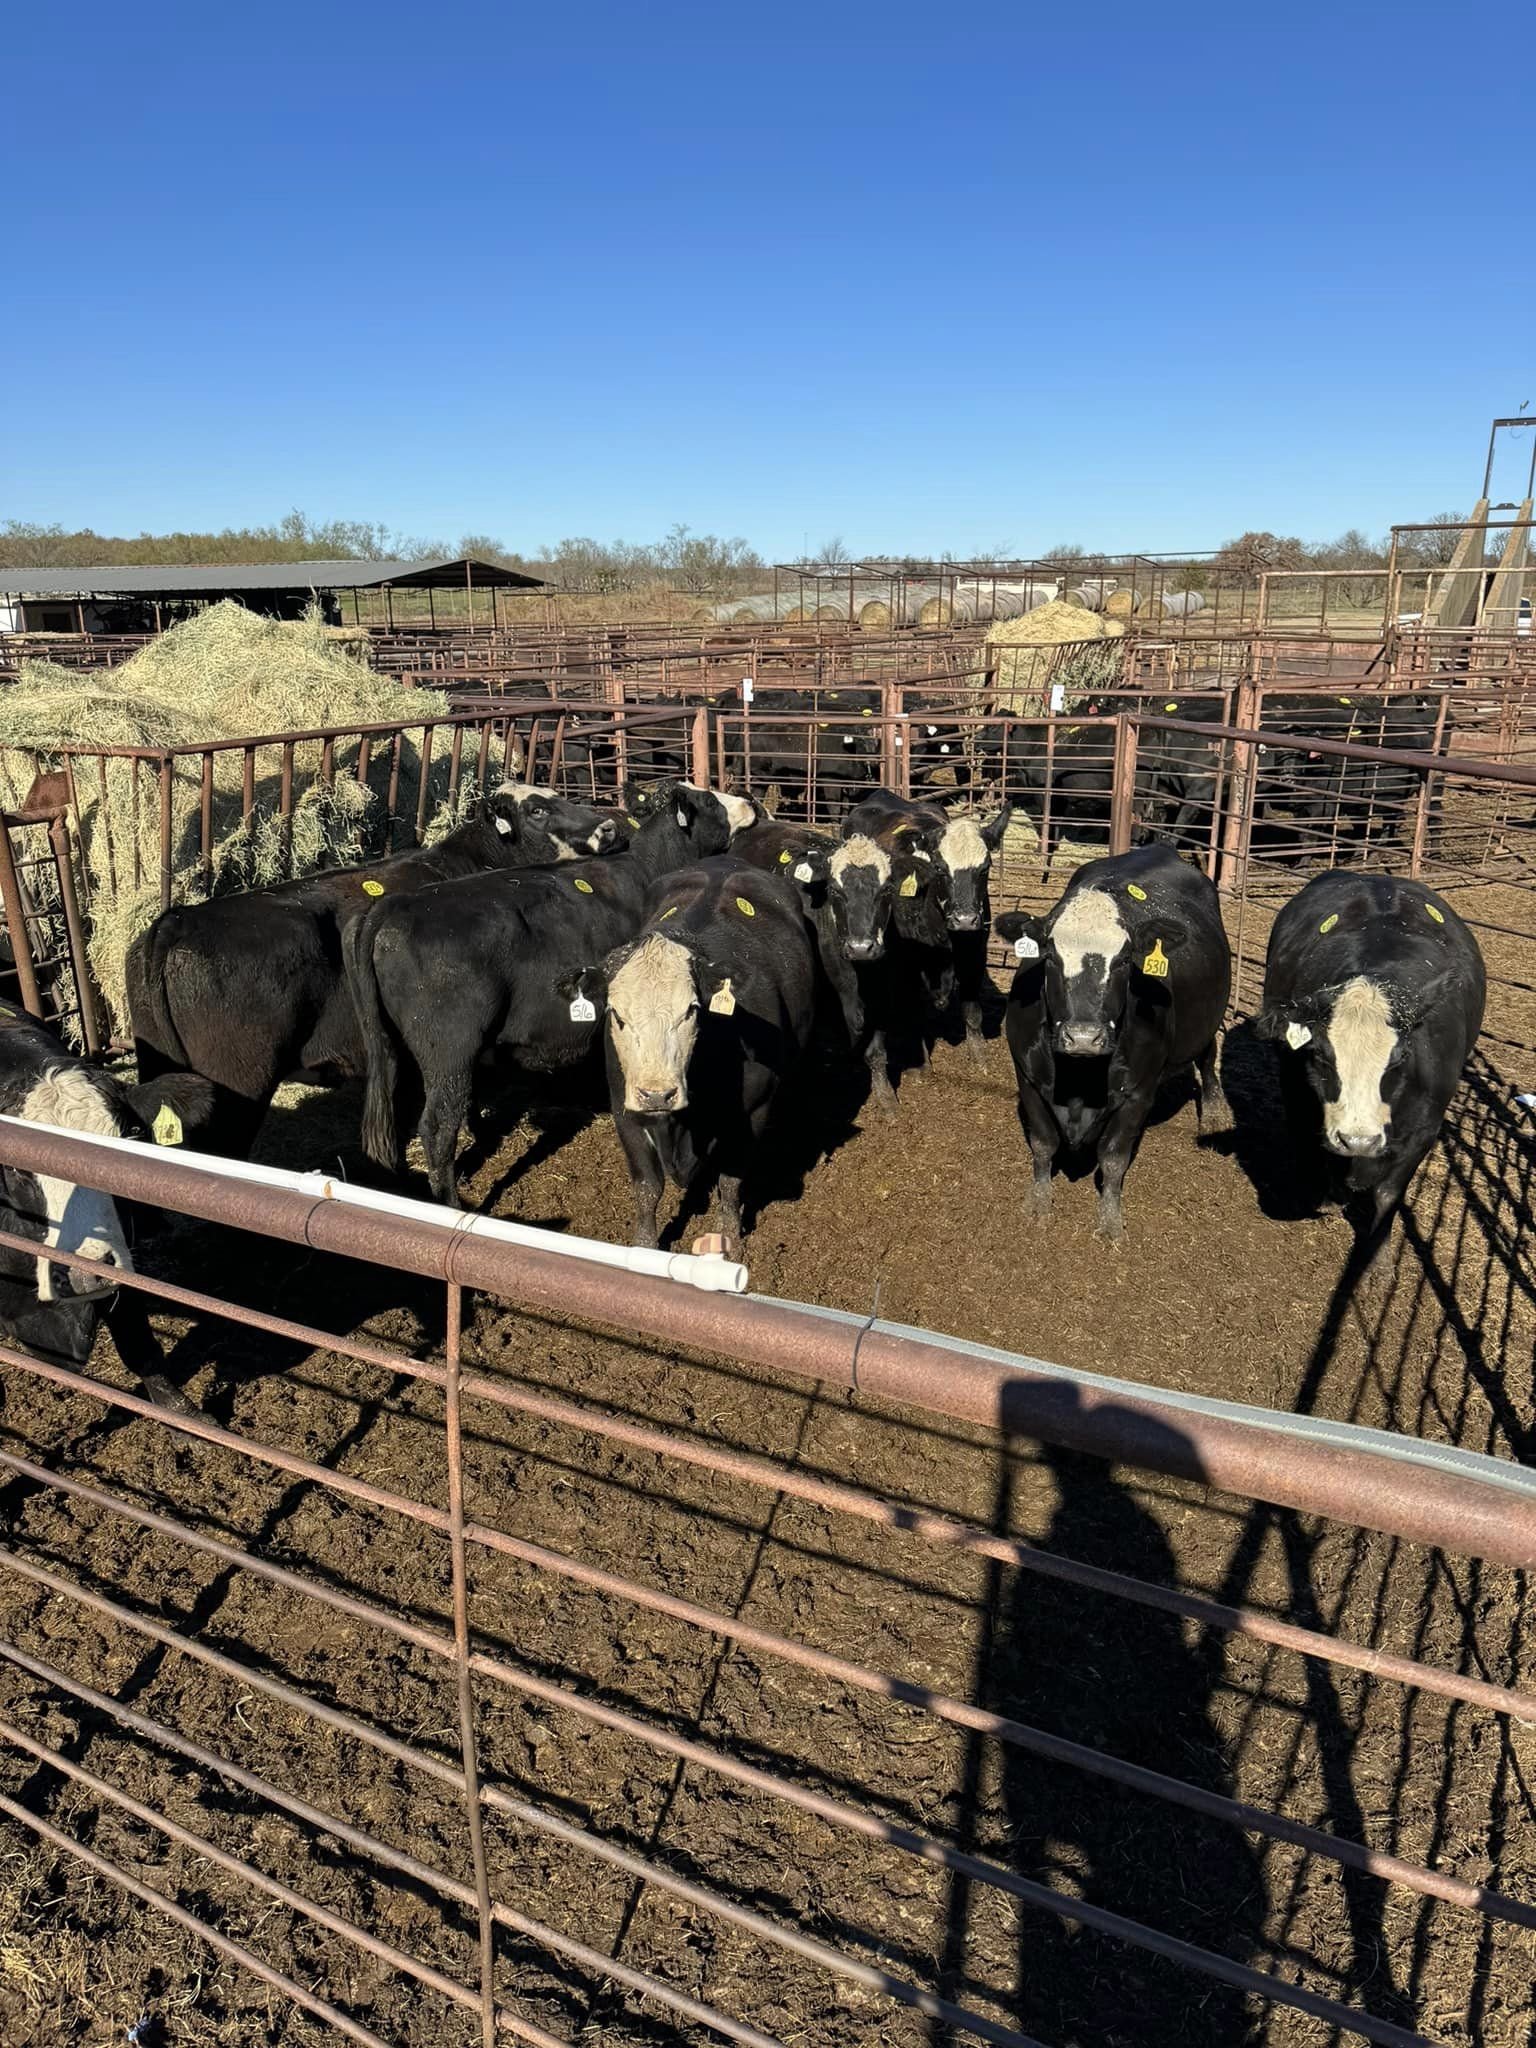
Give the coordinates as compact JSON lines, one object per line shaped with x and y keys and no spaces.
{"x":183,"y":579}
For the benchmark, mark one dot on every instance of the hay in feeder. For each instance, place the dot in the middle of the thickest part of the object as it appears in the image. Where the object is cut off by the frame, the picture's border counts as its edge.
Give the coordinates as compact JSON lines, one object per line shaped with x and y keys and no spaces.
{"x":225,"y":674}
{"x":1027,"y":654}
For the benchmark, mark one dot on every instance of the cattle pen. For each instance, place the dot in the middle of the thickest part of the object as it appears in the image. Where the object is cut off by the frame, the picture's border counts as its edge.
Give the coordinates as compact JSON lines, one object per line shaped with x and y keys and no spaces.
{"x":1022,"y":1643}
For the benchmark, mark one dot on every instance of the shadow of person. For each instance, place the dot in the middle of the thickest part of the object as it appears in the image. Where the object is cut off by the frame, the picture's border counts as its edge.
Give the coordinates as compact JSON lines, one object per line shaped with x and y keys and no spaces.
{"x":1136,"y":1685}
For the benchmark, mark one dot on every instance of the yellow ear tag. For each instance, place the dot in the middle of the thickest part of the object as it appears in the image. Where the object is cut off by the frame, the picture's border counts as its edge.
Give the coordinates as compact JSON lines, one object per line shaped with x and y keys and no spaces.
{"x":584,"y":887}
{"x":166,"y":1126}
{"x":822,"y":727}
{"x":785,"y":858}
{"x":373,"y":888}
{"x":1328,"y":923}
{"x":1437,"y":915}
{"x":722,"y":1003}
{"x":908,"y":887}
{"x":1132,"y":890}
{"x":746,"y":909}
{"x":1344,"y":700}
{"x":866,"y":712}
{"x":635,"y":822}
{"x":1156,"y":962}
{"x":670,"y":911}
{"x":1170,"y":707}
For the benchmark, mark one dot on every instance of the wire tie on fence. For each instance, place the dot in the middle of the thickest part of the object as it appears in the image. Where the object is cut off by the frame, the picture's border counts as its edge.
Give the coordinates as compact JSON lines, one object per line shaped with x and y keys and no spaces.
{"x":864,"y":1329}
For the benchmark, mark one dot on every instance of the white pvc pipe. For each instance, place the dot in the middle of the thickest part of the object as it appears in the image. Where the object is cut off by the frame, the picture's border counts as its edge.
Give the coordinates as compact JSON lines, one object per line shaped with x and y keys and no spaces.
{"x":706,"y":1271}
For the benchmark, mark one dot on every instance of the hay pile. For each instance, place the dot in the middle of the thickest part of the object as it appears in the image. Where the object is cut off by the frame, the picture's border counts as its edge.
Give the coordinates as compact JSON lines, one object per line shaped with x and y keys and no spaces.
{"x":225,"y":674}
{"x":1031,"y":653}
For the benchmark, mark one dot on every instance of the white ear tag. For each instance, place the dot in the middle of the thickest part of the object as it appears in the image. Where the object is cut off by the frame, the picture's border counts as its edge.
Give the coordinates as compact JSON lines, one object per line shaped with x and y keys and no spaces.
{"x":503,"y":826}
{"x":802,"y":871}
{"x":944,"y":748}
{"x":1026,"y":948}
{"x":722,"y":1003}
{"x":1296,"y":1036}
{"x":682,"y":817}
{"x":582,"y":1011}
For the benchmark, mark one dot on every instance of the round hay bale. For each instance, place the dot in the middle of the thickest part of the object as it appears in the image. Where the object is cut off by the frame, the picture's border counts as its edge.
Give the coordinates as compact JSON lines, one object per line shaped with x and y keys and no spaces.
{"x":1120,"y":604}
{"x":831,"y":613}
{"x":875,"y":616}
{"x":1151,"y":608}
{"x":797,"y":615}
{"x":936,"y":611}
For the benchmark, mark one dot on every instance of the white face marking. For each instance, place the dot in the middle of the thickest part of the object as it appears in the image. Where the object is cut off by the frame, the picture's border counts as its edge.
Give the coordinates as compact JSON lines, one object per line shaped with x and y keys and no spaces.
{"x":859,"y":852}
{"x":79,"y":1219}
{"x":521,"y":791}
{"x":740,"y":811}
{"x":962,"y":846}
{"x":1089,"y":928}
{"x":1362,"y":1035}
{"x":654,"y":1021}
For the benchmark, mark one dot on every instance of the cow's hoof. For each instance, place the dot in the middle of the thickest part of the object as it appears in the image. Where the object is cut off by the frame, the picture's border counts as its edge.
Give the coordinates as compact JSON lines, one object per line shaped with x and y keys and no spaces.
{"x":159,"y":1390}
{"x":885,"y":1101}
{"x":976,"y":1046}
{"x":1040,"y":1200}
{"x":1215,"y":1118}
{"x":1110,"y":1227}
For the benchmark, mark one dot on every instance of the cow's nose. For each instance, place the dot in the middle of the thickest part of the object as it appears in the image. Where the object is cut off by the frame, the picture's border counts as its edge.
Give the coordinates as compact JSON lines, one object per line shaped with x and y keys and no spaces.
{"x":966,"y":923}
{"x":864,"y":949}
{"x":657,"y":1101}
{"x":1083,"y":1040}
{"x":1359,"y":1144}
{"x":605,"y":834}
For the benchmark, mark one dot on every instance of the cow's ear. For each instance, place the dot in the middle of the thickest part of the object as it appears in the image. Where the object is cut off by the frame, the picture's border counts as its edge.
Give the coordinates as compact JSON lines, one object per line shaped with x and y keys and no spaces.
{"x":809,"y":870}
{"x":640,"y":802}
{"x":591,"y":982}
{"x":1024,"y":932}
{"x":1153,"y":944}
{"x":1410,"y":1005}
{"x":174,"y":1102}
{"x":505,"y":816}
{"x":1285,"y":1023}
{"x":992,"y":834}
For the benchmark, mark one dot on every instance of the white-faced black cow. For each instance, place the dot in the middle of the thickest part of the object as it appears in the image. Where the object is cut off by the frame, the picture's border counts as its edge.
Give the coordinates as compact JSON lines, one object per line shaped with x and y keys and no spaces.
{"x":52,"y":1310}
{"x":248,"y":989}
{"x":952,"y":912}
{"x":1121,"y":987}
{"x":451,"y":974}
{"x":1374,"y":989}
{"x":708,"y":1009}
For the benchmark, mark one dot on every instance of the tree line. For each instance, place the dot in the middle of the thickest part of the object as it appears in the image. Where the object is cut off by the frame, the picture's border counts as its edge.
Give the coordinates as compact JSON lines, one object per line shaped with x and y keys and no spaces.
{"x":698,"y":564}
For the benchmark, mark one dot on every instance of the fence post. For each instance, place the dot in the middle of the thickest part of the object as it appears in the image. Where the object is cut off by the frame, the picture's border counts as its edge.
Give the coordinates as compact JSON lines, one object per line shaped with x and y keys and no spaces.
{"x":698,"y":749}
{"x":79,"y":965}
{"x":16,"y":922}
{"x":1241,"y":788}
{"x":1123,"y":793}
{"x":167,"y":870}
{"x":1422,"y":810}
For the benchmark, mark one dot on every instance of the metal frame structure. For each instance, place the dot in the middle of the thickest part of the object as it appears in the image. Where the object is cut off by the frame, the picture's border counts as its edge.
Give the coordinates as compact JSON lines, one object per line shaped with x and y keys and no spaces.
{"x":1463,"y":1504}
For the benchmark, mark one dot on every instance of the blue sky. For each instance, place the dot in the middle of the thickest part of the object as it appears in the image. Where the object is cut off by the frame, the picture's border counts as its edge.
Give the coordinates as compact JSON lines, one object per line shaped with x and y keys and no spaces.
{"x":1142,"y":277}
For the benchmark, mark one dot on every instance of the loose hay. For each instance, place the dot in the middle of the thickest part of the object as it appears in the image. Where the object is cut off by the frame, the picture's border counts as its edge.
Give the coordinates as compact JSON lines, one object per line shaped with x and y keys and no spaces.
{"x":225,"y":674}
{"x":1028,"y":655}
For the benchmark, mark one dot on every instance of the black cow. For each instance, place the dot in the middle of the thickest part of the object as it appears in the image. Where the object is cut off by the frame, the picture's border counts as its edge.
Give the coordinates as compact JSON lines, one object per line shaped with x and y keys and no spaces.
{"x":810,"y":757}
{"x":1374,"y":989}
{"x":1359,"y":801}
{"x":248,"y":989}
{"x":53,"y":1311}
{"x":707,"y":1011}
{"x":953,"y":913}
{"x":454,"y":973}
{"x":1121,"y":987}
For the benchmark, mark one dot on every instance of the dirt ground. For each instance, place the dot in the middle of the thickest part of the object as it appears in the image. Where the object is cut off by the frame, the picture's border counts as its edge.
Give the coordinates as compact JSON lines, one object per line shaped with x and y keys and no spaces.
{"x":1224,"y":1285}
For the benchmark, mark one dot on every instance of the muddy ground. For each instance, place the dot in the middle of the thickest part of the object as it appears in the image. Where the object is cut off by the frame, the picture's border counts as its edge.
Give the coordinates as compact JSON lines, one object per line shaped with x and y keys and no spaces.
{"x":1224,"y":1285}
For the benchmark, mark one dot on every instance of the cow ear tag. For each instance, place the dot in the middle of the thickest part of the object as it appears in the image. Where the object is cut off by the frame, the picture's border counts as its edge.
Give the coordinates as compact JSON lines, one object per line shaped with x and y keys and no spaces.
{"x":908,"y":886}
{"x":682,"y":817}
{"x":1131,"y":889}
{"x":635,"y":822}
{"x":373,"y":888}
{"x":1297,"y":1035}
{"x":1328,"y":923}
{"x":583,"y":1010}
{"x":803,"y":872}
{"x":503,"y":826}
{"x":1156,"y":962}
{"x":670,"y":911}
{"x":747,"y":909}
{"x":866,"y":712}
{"x":1437,"y":915}
{"x":784,"y":858}
{"x":1026,"y":948}
{"x":166,"y":1127}
{"x":1170,"y":707}
{"x":584,"y":887}
{"x":722,"y":1003}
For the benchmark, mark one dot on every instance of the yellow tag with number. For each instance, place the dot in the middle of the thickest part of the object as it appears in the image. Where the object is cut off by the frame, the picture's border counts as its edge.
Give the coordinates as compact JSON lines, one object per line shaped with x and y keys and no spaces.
{"x":746,"y":909}
{"x":1131,"y":889}
{"x":1437,"y":915}
{"x":584,"y":887}
{"x":908,"y":887}
{"x":1156,"y":962}
{"x":1328,"y":923}
{"x":785,"y":858}
{"x":167,"y":1126}
{"x":373,"y":888}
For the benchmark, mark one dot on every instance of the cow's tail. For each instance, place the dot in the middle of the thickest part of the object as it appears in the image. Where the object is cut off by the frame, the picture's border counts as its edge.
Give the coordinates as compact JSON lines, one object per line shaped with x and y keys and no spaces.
{"x":382,"y":1062}
{"x":146,"y":973}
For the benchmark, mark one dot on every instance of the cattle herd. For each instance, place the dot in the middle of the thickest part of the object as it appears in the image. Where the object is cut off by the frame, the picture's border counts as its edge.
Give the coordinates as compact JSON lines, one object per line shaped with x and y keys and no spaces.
{"x":705,"y":950}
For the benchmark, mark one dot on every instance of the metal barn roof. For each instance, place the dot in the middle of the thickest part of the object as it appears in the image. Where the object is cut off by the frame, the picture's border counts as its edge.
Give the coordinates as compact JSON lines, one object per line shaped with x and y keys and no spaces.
{"x":183,"y":579}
